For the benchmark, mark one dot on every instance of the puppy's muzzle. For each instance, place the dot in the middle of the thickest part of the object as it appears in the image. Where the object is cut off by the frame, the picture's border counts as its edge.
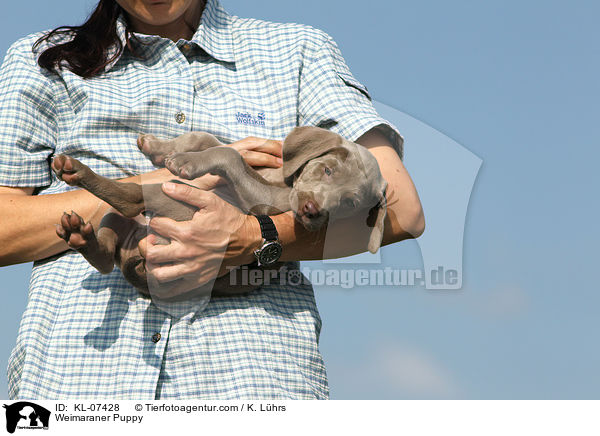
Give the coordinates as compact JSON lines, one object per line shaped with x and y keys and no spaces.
{"x":310,"y":209}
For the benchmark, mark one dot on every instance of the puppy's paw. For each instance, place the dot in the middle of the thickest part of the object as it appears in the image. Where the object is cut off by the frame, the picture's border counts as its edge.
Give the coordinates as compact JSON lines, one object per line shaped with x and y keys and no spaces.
{"x":154,"y":148}
{"x":68,"y":169}
{"x":75,"y":232}
{"x":181,"y":165}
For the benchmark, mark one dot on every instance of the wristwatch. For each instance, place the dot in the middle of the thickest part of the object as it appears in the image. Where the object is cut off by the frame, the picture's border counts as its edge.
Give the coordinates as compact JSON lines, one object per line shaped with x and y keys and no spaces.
{"x":270,"y":250}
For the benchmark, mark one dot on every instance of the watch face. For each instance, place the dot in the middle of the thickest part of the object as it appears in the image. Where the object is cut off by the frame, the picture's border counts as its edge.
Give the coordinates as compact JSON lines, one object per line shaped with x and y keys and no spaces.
{"x":270,"y":253}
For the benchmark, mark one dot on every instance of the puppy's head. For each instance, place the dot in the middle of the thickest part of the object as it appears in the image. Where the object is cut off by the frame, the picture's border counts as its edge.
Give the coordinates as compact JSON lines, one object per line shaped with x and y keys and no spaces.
{"x":333,"y":178}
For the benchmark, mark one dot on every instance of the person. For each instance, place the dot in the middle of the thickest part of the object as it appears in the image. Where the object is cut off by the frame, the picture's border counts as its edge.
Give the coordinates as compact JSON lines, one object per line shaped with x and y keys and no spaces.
{"x":166,"y":68}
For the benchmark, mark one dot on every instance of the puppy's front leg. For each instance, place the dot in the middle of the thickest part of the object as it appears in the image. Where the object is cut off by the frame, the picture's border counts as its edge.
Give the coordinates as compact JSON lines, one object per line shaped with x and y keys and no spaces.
{"x":130,"y":199}
{"x":127,"y":198}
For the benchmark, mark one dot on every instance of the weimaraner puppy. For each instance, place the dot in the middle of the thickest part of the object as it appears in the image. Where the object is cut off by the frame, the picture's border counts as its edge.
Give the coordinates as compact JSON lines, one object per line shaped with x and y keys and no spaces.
{"x":323,"y":177}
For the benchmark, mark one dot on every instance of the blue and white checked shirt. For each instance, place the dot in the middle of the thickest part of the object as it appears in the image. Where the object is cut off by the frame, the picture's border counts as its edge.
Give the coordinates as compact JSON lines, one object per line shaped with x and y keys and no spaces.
{"x":87,"y":335}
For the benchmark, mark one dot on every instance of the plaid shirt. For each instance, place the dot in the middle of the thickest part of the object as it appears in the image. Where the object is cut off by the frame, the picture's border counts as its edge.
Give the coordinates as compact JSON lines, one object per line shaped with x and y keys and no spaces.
{"x":87,"y":335}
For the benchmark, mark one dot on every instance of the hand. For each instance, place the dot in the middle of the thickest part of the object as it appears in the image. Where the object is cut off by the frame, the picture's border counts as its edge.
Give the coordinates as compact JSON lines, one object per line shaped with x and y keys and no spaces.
{"x":218,"y":235}
{"x":260,"y":152}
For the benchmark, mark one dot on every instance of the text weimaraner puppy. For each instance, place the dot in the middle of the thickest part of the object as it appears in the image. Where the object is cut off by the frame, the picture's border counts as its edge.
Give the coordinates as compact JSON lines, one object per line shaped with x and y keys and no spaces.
{"x":323,"y":176}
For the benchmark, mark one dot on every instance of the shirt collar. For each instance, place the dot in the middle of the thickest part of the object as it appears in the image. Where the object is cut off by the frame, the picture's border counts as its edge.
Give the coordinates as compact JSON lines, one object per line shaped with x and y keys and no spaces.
{"x":214,"y":34}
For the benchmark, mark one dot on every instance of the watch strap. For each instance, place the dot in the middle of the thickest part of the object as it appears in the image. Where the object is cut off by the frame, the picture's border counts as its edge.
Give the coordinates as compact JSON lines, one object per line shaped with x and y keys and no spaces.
{"x":267,"y":228}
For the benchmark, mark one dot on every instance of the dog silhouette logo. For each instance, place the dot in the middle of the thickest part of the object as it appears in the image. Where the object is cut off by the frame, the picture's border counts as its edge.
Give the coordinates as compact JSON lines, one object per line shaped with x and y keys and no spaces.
{"x":26,"y":415}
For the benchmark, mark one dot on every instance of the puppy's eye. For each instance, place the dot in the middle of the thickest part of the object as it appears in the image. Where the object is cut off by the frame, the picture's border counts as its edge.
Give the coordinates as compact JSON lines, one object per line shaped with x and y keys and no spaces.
{"x":328,"y":171}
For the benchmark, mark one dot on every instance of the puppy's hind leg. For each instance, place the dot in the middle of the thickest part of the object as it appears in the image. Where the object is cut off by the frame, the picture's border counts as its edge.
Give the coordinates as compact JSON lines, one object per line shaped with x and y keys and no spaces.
{"x":127,"y":233}
{"x":158,"y":149}
{"x":98,"y":250}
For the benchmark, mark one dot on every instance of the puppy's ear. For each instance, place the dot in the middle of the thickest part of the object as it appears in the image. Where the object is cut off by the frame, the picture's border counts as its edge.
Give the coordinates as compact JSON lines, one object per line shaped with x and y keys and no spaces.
{"x":304,"y":144}
{"x":375,"y":220}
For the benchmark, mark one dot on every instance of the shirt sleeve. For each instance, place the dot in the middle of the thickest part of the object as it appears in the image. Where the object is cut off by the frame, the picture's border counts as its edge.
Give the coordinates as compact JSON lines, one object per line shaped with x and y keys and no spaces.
{"x":331,"y":97}
{"x":28,"y":120}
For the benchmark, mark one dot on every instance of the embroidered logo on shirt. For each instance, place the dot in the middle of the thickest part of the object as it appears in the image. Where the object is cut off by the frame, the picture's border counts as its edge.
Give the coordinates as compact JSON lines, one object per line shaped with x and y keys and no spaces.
{"x":249,"y":119}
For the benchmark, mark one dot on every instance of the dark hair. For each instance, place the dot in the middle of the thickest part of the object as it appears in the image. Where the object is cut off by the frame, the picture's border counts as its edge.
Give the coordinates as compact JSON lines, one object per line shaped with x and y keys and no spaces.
{"x":86,"y":53}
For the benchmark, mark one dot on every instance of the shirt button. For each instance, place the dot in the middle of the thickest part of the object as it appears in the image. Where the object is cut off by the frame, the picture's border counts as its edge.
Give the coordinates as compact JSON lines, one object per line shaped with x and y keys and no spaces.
{"x":156,"y":337}
{"x":180,"y":117}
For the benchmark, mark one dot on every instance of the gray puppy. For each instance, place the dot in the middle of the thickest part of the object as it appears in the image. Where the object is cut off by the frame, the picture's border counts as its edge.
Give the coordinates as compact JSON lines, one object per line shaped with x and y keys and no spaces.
{"x":323,"y":177}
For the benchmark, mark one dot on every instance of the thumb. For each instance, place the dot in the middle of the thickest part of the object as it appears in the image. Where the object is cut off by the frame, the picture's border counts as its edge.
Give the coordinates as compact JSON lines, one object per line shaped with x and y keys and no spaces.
{"x":188,"y":194}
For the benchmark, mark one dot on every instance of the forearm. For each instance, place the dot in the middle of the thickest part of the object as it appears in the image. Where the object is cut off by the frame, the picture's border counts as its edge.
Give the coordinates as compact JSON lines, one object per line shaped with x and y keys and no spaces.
{"x":332,"y":241}
{"x":30,"y":230}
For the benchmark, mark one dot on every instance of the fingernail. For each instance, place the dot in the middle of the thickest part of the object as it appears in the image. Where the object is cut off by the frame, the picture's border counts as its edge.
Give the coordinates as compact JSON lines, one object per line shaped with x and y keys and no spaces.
{"x":280,"y":161}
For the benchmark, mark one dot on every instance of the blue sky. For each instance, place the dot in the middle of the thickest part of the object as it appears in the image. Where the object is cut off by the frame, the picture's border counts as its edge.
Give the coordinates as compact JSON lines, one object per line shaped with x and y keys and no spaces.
{"x":516,"y":84}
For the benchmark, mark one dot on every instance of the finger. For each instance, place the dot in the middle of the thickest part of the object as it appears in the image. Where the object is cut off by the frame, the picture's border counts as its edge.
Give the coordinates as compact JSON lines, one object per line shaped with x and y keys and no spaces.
{"x":188,"y":194}
{"x":169,"y":228}
{"x":260,"y":159}
{"x":160,"y":254}
{"x":166,"y":273}
{"x":270,"y":146}
{"x":145,"y":243}
{"x":247,"y":143}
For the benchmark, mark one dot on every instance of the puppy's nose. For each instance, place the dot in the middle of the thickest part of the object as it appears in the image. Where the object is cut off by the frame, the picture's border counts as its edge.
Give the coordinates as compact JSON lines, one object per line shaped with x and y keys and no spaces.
{"x":310,"y":209}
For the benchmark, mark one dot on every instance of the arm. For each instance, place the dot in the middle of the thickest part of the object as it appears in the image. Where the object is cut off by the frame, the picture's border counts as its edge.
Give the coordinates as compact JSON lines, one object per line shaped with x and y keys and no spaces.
{"x":30,"y":231}
{"x":31,"y":234}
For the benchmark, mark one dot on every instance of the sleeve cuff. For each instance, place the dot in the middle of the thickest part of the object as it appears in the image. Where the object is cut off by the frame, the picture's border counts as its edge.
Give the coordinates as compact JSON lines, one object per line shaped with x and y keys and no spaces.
{"x":356,"y":127}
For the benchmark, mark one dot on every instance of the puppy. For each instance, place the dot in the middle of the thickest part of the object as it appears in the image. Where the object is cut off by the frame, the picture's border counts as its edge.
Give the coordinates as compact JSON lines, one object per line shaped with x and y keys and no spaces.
{"x":323,"y":177}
